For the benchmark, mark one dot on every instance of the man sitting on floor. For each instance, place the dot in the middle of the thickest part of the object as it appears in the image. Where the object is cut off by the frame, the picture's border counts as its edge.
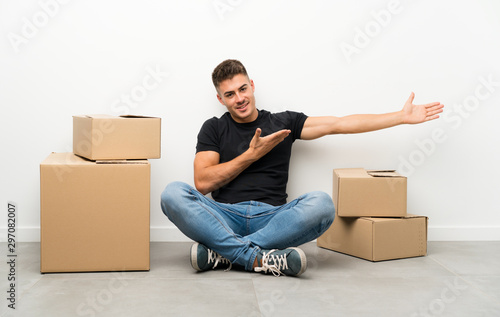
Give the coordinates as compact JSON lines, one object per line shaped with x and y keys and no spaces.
{"x":243,"y":158}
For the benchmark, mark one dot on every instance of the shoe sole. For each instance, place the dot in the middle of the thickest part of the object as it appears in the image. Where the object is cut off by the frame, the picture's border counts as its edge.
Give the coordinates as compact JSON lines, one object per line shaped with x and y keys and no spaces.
{"x":194,"y":256}
{"x":303,"y":260}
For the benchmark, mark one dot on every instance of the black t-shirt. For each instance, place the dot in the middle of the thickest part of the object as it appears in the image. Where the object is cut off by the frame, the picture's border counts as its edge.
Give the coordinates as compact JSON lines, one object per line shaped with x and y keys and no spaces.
{"x":265,"y":180}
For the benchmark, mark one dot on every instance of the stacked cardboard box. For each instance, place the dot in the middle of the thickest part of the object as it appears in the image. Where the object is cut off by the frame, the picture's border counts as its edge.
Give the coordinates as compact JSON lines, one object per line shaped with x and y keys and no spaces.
{"x":94,"y":203}
{"x":371,"y":220}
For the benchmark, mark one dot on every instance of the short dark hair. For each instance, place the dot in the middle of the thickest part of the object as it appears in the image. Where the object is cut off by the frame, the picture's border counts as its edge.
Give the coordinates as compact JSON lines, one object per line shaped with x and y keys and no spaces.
{"x":227,"y":70}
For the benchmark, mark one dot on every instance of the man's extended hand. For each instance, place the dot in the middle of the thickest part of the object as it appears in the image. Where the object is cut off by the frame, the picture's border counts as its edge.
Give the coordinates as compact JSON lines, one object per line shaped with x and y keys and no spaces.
{"x":260,"y":146}
{"x":420,"y":113}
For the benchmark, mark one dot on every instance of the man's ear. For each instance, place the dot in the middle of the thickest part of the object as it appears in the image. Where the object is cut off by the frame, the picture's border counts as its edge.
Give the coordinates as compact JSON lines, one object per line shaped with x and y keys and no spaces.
{"x":220,"y":99}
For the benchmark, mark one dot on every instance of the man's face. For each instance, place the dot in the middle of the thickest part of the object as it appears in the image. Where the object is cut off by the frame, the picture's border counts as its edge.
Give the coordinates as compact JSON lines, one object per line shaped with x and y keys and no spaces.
{"x":237,"y":95}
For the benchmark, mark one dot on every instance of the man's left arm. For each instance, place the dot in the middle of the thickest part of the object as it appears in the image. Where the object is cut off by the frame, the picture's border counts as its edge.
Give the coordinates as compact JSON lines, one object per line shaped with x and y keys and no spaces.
{"x":316,"y":127}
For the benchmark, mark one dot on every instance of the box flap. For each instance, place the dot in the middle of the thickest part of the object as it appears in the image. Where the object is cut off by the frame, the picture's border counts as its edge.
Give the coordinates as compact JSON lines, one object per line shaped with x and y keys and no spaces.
{"x":136,"y":116}
{"x":385,"y":173}
{"x":363,"y":173}
{"x":380,"y":219}
{"x":414,"y":216}
{"x":385,"y":219}
{"x":108,"y":116}
{"x":121,"y":161}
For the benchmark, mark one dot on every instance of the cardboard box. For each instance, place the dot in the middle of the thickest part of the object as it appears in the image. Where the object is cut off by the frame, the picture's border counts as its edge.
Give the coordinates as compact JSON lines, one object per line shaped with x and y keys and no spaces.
{"x":377,"y":239}
{"x":105,"y":137}
{"x":358,"y":192}
{"x":94,"y":215}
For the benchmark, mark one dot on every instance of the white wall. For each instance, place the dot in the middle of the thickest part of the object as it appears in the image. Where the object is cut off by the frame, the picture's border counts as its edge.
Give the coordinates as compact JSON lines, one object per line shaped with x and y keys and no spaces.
{"x":58,"y":59}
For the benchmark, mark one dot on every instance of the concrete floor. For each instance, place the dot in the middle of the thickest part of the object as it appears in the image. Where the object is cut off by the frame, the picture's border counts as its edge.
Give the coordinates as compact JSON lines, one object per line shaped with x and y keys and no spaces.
{"x":455,"y":279}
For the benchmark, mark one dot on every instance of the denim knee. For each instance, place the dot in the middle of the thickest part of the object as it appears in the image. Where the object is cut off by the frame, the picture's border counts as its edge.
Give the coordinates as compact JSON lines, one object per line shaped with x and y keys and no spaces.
{"x":171,"y":197}
{"x":325,"y":208}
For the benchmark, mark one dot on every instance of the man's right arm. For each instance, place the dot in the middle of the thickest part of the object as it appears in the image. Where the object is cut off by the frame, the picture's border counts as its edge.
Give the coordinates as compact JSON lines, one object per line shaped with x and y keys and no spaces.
{"x":210,"y":175}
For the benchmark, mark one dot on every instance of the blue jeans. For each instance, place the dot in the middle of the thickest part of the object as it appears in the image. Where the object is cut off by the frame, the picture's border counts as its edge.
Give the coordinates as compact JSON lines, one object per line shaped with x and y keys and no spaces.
{"x":239,"y":231}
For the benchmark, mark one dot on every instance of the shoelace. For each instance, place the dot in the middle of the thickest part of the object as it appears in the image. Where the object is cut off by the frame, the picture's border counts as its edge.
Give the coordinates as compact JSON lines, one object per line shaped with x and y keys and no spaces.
{"x":279,"y":261}
{"x":217,"y":258}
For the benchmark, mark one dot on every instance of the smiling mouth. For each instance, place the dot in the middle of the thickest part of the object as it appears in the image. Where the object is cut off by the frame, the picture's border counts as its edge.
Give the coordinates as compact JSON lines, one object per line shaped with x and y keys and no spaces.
{"x":242,"y":107}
